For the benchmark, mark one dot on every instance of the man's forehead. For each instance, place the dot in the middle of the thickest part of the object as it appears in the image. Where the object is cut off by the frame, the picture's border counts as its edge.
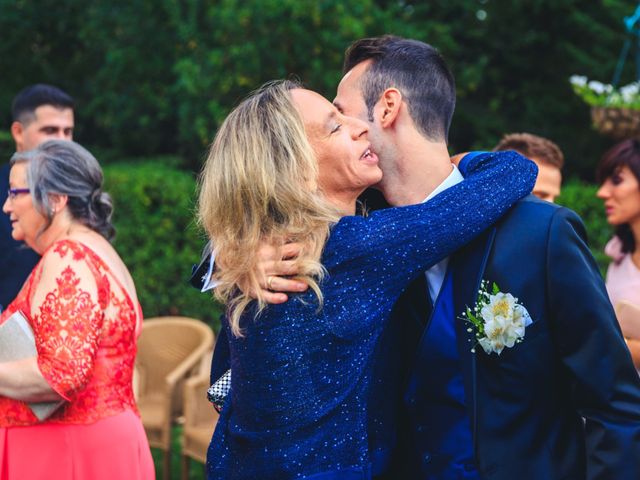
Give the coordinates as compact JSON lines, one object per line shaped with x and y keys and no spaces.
{"x":351,"y":79}
{"x":53,"y":114}
{"x":49,"y":110}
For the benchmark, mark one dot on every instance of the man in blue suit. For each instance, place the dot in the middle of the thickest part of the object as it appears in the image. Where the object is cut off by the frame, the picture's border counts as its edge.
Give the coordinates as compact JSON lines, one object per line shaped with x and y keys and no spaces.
{"x":40,"y":112}
{"x":564,"y":403}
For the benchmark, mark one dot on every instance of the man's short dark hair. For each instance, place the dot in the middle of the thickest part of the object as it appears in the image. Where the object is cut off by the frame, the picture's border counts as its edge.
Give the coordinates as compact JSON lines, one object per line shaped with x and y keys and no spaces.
{"x":28,"y":99}
{"x":531,"y":146}
{"x":417,"y":70}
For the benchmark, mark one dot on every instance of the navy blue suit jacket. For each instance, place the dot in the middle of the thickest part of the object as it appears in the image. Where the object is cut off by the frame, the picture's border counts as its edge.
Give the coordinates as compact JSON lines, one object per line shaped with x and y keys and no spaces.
{"x":565,"y":403}
{"x":16,"y":259}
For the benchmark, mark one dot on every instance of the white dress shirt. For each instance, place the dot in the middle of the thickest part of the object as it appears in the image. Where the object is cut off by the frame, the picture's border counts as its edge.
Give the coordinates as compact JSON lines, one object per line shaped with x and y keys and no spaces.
{"x":435,"y":275}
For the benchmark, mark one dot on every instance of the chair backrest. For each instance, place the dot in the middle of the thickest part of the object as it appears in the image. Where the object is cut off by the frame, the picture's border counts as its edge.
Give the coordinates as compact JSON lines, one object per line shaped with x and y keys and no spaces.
{"x":166,"y":343}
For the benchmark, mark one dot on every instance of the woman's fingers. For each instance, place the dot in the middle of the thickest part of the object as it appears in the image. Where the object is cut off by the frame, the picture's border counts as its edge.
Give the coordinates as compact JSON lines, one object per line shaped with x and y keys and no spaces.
{"x":283,"y":284}
{"x":274,"y":297}
{"x":290,"y":250}
{"x":275,"y":266}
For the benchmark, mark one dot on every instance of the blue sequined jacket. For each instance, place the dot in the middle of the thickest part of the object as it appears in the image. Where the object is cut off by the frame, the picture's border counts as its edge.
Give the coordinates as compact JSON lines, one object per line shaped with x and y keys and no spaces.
{"x":300,"y":375}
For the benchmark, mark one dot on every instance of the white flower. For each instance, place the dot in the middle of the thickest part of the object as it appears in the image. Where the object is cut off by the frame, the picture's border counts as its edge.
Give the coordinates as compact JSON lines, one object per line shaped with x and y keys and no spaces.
{"x":596,"y":86}
{"x":598,"y":94}
{"x":628,"y":92}
{"x":578,"y":80}
{"x":502,"y":320}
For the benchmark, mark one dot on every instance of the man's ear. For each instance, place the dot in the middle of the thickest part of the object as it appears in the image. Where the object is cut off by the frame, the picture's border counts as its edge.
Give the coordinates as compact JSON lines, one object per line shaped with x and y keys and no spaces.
{"x":389,"y":106}
{"x":16,"y":133}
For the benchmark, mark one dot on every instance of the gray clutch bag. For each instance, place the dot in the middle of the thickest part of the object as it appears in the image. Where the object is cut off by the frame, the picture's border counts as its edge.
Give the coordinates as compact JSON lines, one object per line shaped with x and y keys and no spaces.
{"x":17,"y":342}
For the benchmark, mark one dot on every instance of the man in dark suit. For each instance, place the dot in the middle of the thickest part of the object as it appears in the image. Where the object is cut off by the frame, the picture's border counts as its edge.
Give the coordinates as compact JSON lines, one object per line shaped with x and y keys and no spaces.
{"x":40,"y":112}
{"x":561,"y":404}
{"x":564,"y":403}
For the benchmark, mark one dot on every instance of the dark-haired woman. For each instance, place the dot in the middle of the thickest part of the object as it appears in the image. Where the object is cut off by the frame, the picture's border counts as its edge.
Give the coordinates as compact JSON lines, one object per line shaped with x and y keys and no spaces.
{"x":619,"y":174}
{"x":81,"y":303}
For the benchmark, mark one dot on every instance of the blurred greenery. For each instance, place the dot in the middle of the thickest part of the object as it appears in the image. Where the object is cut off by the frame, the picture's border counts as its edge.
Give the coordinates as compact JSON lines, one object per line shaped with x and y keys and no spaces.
{"x":196,"y":469}
{"x":158,"y":76}
{"x":7,"y":145}
{"x":581,"y":198}
{"x":157,"y":238}
{"x":153,"y":79}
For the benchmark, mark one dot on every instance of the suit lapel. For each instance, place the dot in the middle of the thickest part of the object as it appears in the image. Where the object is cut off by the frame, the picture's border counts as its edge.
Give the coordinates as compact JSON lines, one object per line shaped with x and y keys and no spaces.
{"x":415,"y":304}
{"x":469,"y":264}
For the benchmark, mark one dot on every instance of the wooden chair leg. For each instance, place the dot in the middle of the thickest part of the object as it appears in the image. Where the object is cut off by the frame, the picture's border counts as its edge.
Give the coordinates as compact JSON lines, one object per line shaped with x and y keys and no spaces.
{"x":185,"y":467}
{"x":166,"y":465}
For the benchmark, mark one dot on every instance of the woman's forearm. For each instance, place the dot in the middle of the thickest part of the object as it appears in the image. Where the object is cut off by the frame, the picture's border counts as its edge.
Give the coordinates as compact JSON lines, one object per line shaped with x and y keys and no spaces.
{"x":22,"y":380}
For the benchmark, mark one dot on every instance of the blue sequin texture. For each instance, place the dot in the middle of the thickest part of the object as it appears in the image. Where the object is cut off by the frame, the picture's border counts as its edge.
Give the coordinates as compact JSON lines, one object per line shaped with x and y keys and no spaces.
{"x":300,"y":376}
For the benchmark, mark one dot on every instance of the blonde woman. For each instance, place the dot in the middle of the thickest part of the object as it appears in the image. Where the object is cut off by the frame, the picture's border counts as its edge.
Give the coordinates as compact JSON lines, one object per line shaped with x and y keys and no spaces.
{"x":286,"y":165}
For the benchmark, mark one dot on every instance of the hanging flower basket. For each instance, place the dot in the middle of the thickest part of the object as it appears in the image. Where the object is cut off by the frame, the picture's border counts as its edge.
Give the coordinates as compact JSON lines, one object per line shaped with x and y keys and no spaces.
{"x":615,"y":112}
{"x":616,"y":122}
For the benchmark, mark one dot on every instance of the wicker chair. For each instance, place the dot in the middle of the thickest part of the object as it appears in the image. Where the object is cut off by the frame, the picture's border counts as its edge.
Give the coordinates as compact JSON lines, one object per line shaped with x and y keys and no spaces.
{"x":200,"y":418}
{"x":170,"y":349}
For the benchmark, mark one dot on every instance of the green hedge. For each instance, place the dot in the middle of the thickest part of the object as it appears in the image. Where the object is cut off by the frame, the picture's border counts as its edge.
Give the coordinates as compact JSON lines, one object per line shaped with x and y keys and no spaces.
{"x":7,"y":146}
{"x":581,"y":197}
{"x":157,"y":237}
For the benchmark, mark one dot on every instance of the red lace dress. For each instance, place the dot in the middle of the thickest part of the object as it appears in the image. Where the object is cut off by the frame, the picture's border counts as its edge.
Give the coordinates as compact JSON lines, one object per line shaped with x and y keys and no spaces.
{"x":86,"y":326}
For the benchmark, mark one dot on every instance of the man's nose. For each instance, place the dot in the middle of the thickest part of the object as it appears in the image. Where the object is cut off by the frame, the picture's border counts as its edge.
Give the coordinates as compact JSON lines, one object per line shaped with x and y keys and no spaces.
{"x":5,"y":206}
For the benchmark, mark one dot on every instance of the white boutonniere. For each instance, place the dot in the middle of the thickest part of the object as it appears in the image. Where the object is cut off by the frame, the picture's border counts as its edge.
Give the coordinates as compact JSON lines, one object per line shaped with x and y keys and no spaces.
{"x":498,"y":319}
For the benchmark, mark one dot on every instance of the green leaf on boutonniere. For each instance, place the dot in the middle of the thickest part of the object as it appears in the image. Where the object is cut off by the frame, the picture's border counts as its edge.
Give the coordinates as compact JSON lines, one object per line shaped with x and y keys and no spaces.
{"x":475,"y":321}
{"x":496,"y":290}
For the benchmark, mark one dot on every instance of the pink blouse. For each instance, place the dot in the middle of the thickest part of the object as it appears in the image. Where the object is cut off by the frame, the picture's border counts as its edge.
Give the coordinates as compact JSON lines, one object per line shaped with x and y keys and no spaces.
{"x":623,"y":276}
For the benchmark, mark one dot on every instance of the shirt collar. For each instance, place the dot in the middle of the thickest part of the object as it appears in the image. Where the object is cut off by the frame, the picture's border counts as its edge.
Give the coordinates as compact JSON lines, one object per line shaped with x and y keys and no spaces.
{"x":452,"y":179}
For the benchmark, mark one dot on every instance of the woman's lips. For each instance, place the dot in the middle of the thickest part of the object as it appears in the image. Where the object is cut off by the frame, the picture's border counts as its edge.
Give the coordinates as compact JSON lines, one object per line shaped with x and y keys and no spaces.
{"x":369,"y":157}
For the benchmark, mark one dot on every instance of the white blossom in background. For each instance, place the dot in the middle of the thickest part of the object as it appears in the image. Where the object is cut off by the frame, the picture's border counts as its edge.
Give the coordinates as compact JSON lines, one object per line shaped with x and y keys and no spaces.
{"x":598,"y":94}
{"x":578,"y":80}
{"x":596,"y":86}
{"x":630,"y":91}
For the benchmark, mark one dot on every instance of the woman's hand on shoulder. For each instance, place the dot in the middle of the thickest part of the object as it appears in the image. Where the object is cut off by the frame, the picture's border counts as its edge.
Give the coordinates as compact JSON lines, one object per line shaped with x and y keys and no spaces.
{"x":275,"y":265}
{"x":456,"y":159}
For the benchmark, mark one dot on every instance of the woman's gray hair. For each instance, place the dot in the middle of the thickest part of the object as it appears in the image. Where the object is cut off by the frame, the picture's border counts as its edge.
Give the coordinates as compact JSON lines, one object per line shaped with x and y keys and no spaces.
{"x":66,"y":168}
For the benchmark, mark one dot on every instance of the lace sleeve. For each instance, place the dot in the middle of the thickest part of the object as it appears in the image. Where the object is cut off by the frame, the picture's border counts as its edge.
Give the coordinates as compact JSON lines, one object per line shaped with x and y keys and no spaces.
{"x":67,"y":318}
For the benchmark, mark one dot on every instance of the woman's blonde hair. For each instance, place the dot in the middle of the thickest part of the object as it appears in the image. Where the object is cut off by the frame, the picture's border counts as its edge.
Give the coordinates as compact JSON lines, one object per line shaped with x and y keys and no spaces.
{"x":258,"y":184}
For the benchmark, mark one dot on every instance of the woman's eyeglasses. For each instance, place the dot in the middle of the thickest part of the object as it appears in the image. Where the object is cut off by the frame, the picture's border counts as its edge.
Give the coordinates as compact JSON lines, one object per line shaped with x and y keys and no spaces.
{"x":12,"y":193}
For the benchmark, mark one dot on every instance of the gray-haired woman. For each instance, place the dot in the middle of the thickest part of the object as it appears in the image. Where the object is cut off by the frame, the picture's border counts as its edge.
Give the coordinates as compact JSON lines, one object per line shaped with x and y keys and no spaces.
{"x":81,"y":303}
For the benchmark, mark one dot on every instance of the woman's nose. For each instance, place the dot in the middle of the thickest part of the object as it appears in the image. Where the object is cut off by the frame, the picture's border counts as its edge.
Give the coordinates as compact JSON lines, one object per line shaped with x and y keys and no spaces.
{"x":603,"y":191}
{"x":359,"y":128}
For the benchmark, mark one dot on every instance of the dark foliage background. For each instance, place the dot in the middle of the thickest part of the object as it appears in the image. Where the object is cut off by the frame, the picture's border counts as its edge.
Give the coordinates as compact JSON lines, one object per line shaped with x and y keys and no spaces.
{"x":153,"y":79}
{"x":158,"y":76}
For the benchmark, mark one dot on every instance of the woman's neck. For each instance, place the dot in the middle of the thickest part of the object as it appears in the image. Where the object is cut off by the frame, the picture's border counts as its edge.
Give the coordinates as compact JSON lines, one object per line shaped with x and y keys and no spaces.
{"x":62,"y":226}
{"x":344,"y":202}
